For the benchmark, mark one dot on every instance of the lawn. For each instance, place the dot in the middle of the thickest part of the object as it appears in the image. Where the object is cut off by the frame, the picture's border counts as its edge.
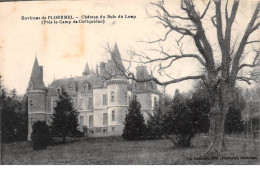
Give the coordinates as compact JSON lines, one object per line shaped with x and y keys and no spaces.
{"x":114,"y":150}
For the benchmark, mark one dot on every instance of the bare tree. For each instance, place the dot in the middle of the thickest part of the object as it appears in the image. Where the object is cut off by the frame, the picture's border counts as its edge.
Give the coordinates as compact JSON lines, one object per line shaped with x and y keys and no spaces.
{"x":220,"y":75}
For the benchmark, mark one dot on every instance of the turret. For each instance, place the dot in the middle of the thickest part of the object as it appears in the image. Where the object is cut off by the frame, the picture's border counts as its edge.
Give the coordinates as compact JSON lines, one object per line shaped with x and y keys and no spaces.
{"x":118,"y":91}
{"x":36,"y":93}
{"x":115,"y":66}
{"x":86,"y":70}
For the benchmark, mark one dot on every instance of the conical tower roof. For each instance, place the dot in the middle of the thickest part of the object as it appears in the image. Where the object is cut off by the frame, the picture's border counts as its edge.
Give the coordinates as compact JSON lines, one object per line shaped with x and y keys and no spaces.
{"x":116,"y":57}
{"x":36,"y":80}
{"x":86,"y":70}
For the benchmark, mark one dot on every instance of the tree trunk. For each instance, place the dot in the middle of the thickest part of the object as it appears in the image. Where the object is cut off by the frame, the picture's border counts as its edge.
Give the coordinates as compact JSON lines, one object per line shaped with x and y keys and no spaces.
{"x":216,"y":134}
{"x":220,"y":100}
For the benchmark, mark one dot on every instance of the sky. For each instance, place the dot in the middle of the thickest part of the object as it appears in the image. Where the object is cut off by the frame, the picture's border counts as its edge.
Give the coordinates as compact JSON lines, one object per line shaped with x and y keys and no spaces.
{"x":64,"y":49}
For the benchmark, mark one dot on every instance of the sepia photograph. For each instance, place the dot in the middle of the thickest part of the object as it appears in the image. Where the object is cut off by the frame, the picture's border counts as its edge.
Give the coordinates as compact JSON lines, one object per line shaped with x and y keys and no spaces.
{"x":141,"y":82}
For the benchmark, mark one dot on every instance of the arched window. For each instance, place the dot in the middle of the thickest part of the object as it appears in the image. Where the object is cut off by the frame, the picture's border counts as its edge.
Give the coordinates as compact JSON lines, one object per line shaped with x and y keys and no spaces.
{"x":155,"y":100}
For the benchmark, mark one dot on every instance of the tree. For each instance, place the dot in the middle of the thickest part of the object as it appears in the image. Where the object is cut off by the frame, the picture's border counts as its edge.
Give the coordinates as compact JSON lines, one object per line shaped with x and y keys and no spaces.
{"x":180,"y":121}
{"x":220,"y":73}
{"x":155,"y":123}
{"x":65,"y":117}
{"x":41,"y":136}
{"x":234,"y":123}
{"x":14,"y":119}
{"x":9,"y":118}
{"x":22,"y":119}
{"x":199,"y":106}
{"x":134,"y":125}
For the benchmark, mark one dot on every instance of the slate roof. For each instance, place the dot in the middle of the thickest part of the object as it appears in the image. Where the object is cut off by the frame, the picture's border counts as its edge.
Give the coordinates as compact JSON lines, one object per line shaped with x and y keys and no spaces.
{"x":92,"y":80}
{"x":36,"y":80}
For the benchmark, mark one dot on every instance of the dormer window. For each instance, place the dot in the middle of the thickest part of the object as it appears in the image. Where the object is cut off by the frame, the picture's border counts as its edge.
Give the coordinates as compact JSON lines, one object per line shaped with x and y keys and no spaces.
{"x":85,"y":88}
{"x":112,"y":96}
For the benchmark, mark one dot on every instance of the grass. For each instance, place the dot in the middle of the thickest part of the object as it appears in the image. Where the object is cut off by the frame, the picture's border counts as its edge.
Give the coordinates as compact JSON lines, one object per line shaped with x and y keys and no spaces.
{"x":114,"y":150}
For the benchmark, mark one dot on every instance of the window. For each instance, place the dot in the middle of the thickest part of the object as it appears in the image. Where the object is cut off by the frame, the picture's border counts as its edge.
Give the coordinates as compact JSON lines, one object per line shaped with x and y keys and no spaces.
{"x":113,"y":116}
{"x":126,"y":96}
{"x":91,"y":121}
{"x":31,"y":102}
{"x":105,"y":121}
{"x":155,"y":100}
{"x":90,"y":103}
{"x":81,"y":103}
{"x":81,"y":121}
{"x":104,"y":99}
{"x":85,"y":88}
{"x":113,"y":129}
{"x":104,"y":130}
{"x":112,"y":97}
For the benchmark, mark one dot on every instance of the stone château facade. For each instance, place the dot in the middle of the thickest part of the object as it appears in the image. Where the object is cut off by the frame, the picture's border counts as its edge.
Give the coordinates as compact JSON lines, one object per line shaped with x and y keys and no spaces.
{"x":101,"y":97}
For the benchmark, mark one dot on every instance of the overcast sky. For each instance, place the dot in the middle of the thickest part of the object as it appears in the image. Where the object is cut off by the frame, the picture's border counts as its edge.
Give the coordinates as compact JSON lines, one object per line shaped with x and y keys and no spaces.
{"x":63,"y":49}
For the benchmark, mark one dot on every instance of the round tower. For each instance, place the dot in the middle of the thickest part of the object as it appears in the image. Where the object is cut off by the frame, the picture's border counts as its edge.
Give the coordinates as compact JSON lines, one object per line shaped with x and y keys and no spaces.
{"x":36,"y":93}
{"x":118,"y":93}
{"x":118,"y":101}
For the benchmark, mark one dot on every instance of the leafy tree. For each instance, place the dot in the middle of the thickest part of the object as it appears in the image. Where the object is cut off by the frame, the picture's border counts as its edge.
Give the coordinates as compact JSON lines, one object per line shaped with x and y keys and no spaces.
{"x":22,"y":120}
{"x":9,"y":117}
{"x":180,"y":121}
{"x":8,"y":120}
{"x":234,"y":123}
{"x":134,"y":125}
{"x":253,"y":124}
{"x":41,"y":136}
{"x":13,"y":118}
{"x":65,"y":117}
{"x":155,"y":123}
{"x":199,"y":106}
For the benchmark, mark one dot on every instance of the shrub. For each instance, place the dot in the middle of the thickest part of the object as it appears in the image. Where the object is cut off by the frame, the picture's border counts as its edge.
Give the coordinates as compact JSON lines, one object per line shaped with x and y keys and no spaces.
{"x":41,"y":136}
